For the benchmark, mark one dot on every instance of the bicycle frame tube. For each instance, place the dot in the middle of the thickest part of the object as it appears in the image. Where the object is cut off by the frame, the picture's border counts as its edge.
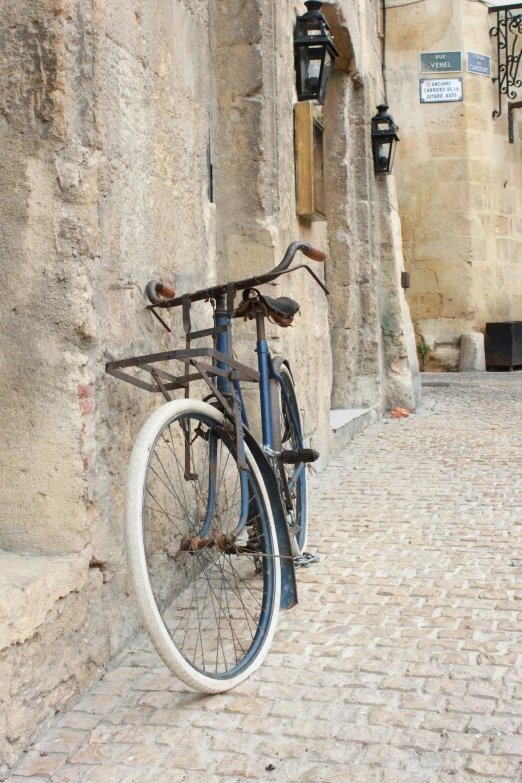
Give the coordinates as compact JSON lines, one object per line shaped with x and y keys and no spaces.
{"x":221,"y":319}
{"x":223,"y":385}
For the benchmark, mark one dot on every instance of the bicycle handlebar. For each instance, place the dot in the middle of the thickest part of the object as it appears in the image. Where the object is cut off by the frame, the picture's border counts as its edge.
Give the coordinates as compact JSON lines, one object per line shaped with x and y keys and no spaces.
{"x":308,"y":250}
{"x":154,"y":287}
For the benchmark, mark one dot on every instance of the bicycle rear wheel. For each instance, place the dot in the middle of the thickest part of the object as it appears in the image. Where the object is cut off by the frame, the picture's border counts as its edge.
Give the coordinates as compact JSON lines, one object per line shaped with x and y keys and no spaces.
{"x":290,"y":437}
{"x":210,"y":606}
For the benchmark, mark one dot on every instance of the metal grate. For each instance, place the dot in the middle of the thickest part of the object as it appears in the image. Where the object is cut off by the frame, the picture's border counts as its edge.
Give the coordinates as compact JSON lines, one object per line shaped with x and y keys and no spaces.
{"x":508,"y":32}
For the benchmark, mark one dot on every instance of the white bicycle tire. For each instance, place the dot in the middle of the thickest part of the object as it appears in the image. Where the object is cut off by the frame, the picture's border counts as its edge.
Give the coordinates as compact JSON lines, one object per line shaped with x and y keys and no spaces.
{"x":136,"y":559}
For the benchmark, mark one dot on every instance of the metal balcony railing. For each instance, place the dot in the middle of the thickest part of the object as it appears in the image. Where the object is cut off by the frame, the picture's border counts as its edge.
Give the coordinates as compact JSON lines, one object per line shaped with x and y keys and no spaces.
{"x":508,"y":32}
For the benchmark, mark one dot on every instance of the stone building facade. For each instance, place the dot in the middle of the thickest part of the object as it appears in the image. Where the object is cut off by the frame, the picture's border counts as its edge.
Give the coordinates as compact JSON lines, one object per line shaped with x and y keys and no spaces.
{"x":459,"y":180}
{"x":155,"y":140}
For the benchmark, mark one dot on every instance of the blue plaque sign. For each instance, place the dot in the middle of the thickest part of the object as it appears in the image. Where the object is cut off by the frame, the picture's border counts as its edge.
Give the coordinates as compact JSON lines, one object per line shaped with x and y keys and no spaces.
{"x":440,"y":62}
{"x":479,"y":63}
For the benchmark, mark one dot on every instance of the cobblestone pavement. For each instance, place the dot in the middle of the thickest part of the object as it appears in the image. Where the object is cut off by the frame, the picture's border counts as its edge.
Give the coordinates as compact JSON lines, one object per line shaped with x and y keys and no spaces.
{"x":402,"y":662}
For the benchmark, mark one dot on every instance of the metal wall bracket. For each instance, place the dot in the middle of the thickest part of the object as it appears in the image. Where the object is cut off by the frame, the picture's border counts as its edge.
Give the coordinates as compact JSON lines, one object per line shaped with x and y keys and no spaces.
{"x":511,"y":121}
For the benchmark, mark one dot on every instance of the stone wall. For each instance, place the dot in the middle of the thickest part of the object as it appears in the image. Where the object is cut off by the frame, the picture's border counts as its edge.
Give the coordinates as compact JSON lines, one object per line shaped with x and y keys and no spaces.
{"x":459,"y":181}
{"x":109,"y":114}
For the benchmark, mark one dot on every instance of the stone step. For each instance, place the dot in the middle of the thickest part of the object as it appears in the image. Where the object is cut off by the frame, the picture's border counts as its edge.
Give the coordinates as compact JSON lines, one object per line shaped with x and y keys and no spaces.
{"x":30,"y":585}
{"x":346,"y":423}
{"x":43,"y":659}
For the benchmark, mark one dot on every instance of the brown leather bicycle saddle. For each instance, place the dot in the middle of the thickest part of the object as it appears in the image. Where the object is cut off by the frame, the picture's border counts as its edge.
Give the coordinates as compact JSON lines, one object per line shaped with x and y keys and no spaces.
{"x":281,"y":310}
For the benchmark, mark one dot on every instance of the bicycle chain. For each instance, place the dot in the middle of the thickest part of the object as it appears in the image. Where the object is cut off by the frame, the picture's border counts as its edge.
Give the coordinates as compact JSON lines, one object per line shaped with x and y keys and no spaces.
{"x":305,"y":560}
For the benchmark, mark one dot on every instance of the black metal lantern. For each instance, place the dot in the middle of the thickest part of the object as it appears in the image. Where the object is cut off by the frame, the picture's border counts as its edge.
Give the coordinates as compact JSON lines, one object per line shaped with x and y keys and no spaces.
{"x":384,"y":140}
{"x":314,"y":54}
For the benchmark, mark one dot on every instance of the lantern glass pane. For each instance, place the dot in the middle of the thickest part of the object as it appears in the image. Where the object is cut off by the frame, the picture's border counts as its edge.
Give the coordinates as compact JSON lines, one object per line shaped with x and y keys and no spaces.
{"x":311,"y":61}
{"x":383,"y":155}
{"x":307,"y":27}
{"x":303,"y":63}
{"x":325,"y":77}
{"x":392,"y":154}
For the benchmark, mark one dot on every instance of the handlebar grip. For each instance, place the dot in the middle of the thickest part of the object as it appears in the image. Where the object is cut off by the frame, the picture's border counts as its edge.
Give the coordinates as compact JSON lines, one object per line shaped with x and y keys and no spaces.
{"x":315,"y":254}
{"x":167,"y":292}
{"x":155,"y":290}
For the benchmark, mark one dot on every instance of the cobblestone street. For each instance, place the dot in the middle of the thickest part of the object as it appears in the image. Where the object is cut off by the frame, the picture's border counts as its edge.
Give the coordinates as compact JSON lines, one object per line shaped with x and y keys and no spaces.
{"x":402,"y":661}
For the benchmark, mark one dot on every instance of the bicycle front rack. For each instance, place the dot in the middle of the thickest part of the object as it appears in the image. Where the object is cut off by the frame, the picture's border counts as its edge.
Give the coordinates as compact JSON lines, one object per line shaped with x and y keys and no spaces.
{"x":164,"y":382}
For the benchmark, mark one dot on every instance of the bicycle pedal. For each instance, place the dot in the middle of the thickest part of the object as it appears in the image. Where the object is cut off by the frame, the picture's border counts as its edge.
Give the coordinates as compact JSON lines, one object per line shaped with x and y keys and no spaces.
{"x":305,"y":560}
{"x":300,"y":455}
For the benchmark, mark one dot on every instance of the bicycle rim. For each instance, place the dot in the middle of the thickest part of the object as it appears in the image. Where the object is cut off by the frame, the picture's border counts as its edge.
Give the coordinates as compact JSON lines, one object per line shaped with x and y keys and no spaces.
{"x":216,"y":603}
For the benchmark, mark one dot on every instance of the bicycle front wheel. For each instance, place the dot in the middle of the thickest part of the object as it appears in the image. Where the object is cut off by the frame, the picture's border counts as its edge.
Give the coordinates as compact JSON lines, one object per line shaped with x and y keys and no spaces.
{"x":209,"y":603}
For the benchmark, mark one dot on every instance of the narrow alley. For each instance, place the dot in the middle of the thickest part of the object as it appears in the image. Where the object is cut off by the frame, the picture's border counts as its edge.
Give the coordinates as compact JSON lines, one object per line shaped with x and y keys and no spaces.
{"x":401,"y":663}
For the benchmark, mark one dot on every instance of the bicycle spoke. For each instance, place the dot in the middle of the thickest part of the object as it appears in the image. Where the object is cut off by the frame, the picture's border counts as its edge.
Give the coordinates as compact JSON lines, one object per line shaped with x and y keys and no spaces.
{"x":211,"y":601}
{"x":223,"y":580}
{"x":165,"y":485}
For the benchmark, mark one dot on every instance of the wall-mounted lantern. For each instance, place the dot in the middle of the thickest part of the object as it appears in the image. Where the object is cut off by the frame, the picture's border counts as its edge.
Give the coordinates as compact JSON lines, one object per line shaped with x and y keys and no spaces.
{"x":384,"y":140}
{"x":314,"y":54}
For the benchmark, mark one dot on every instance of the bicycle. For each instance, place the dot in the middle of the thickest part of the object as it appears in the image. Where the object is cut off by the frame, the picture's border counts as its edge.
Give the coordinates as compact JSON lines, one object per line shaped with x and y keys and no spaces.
{"x":213,"y":519}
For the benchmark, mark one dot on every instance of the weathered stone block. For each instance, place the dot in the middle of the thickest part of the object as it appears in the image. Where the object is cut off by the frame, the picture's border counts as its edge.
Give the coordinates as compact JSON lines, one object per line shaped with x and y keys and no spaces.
{"x":423,"y":281}
{"x":474,"y":91}
{"x":450,"y":170}
{"x":29,"y":589}
{"x":246,"y":26}
{"x":475,"y":118}
{"x":443,"y":330}
{"x":425,"y":305}
{"x":516,"y":225}
{"x":472,"y":353}
{"x":501,"y":226}
{"x":240,"y":70}
{"x":516,"y":306}
{"x":435,"y":251}
{"x":512,"y":274}
{"x":420,"y":30}
{"x":442,"y":358}
{"x":449,"y":144}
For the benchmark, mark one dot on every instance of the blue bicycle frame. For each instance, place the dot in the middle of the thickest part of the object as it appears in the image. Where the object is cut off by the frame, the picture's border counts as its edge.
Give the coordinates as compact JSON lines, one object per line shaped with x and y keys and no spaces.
{"x":266,"y":372}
